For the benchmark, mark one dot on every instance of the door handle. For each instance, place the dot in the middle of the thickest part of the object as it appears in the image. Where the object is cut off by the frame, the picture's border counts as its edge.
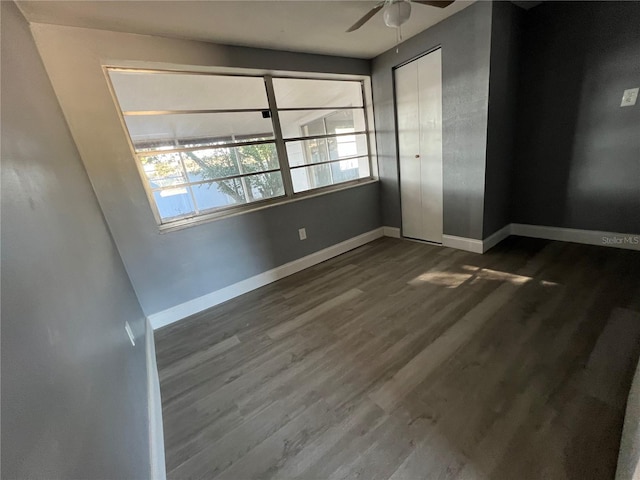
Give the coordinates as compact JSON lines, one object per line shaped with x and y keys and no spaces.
{"x":417,"y":156}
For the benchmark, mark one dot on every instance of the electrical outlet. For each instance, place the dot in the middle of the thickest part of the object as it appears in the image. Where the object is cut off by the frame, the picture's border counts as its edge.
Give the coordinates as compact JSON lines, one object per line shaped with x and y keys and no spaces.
{"x":629,"y":97}
{"x":302,"y":233}
{"x":127,"y":328}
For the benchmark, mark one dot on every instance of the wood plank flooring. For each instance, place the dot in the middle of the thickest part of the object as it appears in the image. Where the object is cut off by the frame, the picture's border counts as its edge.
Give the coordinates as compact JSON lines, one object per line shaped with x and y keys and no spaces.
{"x":400,"y":360}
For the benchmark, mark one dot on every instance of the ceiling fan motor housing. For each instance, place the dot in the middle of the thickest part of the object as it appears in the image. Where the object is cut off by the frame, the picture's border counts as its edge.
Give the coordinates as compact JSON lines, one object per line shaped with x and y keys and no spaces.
{"x":397,"y":13}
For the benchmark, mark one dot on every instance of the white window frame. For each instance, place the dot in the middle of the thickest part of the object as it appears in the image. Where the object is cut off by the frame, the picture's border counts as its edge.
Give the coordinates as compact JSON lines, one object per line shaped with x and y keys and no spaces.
{"x":280,"y":143}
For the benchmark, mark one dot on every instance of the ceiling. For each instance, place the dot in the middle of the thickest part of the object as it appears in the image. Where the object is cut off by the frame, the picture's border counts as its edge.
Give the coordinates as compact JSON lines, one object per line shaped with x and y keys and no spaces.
{"x":305,"y":26}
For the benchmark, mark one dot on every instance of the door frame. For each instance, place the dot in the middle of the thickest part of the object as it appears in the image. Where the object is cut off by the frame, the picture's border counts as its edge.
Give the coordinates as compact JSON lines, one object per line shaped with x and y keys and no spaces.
{"x":395,"y":119}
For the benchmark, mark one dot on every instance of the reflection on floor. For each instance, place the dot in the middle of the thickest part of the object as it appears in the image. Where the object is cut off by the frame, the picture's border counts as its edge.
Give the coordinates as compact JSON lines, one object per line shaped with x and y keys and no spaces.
{"x":402,"y":360}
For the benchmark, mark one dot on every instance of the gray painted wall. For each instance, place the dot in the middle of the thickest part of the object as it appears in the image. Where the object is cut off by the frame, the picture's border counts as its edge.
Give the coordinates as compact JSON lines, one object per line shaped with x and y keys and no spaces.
{"x":74,"y":395}
{"x":171,"y":268}
{"x":465,"y":39}
{"x":506,"y":31}
{"x":578,"y":161}
{"x":208,"y":257}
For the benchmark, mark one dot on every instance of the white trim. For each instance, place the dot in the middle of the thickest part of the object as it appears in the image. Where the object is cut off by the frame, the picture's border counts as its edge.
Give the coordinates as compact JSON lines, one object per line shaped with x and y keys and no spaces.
{"x":154,"y":403}
{"x":495,"y":238}
{"x":212,"y":299}
{"x":393,"y":232}
{"x":462,"y":243}
{"x":589,"y":237}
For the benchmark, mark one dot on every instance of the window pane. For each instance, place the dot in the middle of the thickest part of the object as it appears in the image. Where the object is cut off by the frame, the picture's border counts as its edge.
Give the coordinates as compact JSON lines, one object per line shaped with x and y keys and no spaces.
{"x":305,"y":152}
{"x":219,"y":194}
{"x":316,"y":176}
{"x":235,"y":191}
{"x":258,"y":158}
{"x":347,"y":146}
{"x":304,"y":123}
{"x":210,"y":164}
{"x":216,"y":163}
{"x":345,"y":121}
{"x":182,"y":91}
{"x":265,"y":185}
{"x":163,"y":170}
{"x":173,"y":202}
{"x":313,"y":128}
{"x":306,"y":93}
{"x":196,"y":129}
{"x":345,"y":170}
{"x":306,"y":178}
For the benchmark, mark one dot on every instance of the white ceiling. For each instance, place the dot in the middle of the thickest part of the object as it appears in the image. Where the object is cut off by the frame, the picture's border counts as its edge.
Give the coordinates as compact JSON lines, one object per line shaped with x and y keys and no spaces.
{"x":305,"y":26}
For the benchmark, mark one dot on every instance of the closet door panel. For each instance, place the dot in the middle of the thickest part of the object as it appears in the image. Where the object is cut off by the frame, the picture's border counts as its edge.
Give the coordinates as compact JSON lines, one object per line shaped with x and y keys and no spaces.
{"x":430,"y":114}
{"x":408,"y":125}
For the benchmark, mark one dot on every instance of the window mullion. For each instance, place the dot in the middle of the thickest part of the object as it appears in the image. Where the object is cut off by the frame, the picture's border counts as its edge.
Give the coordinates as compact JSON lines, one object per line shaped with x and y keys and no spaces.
{"x":366,"y":125}
{"x":326,"y":146}
{"x":281,"y":147}
{"x":248,"y":195}
{"x":196,"y":210}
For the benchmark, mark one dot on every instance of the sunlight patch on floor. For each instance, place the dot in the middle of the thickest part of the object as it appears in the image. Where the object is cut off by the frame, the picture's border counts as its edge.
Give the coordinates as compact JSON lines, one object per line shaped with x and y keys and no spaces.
{"x":443,"y":279}
{"x":448,"y":279}
{"x":488,"y":274}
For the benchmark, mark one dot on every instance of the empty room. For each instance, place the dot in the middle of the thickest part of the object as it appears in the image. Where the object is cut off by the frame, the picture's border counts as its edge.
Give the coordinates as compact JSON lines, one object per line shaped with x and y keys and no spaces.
{"x":340,"y":239}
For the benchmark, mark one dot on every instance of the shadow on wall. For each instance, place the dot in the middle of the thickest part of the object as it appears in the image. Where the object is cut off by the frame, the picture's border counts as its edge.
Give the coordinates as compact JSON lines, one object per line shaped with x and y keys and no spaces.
{"x":546,"y":123}
{"x":460,"y":207}
{"x":74,"y":397}
{"x":577,"y":159}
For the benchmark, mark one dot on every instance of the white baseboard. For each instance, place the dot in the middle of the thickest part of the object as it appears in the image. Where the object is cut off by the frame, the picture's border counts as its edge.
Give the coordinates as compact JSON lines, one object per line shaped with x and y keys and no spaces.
{"x":495,"y":238}
{"x":212,"y":299}
{"x":393,"y":232}
{"x":462,"y":243}
{"x":154,"y":402}
{"x":588,"y":237}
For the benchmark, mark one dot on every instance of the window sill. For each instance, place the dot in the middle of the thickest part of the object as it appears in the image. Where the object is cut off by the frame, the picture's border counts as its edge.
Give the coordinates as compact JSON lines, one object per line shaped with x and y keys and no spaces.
{"x":241,"y":210}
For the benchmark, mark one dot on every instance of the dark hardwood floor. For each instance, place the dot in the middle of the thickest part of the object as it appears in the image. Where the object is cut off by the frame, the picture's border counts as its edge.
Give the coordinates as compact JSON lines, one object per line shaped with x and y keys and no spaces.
{"x":400,"y":360}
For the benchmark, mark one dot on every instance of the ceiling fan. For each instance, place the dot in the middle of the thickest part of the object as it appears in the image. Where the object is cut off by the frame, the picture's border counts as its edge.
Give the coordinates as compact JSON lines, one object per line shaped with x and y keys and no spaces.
{"x":396,"y":12}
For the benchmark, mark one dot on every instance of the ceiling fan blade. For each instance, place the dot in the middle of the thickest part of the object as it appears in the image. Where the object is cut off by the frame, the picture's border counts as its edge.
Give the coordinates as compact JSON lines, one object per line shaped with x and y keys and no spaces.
{"x":366,"y":18}
{"x":434,"y":3}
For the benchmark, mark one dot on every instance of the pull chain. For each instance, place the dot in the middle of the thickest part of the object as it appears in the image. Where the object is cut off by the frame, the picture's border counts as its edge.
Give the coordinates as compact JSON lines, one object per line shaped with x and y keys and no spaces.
{"x":398,"y":38}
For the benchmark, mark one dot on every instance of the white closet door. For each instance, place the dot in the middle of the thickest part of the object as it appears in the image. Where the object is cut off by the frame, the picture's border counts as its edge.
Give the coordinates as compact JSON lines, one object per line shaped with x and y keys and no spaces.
{"x":408,"y":124}
{"x":419,"y":123}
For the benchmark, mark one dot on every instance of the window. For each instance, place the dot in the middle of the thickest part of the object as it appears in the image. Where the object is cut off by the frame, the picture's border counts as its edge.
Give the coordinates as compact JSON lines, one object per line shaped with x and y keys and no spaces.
{"x":209,"y":143}
{"x":324,"y":129}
